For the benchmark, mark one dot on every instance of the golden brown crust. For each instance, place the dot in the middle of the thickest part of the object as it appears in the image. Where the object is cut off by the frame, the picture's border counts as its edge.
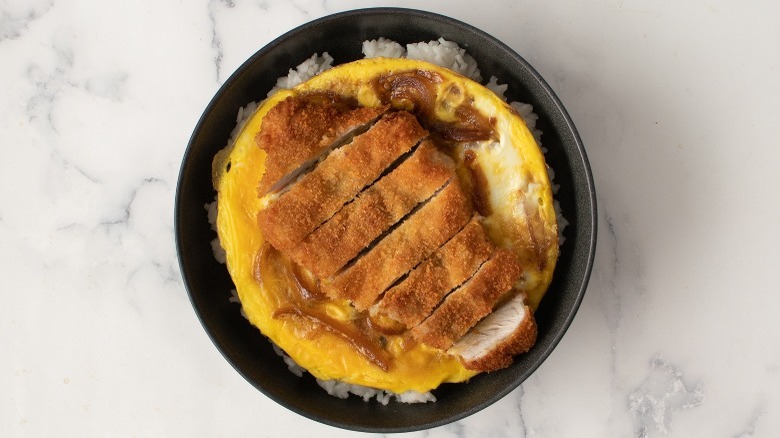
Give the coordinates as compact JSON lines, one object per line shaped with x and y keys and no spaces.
{"x":471,"y":302}
{"x":519,"y":341}
{"x":300,"y":128}
{"x":414,"y":240}
{"x":337,"y":179}
{"x":354,"y":227}
{"x":411,"y":301}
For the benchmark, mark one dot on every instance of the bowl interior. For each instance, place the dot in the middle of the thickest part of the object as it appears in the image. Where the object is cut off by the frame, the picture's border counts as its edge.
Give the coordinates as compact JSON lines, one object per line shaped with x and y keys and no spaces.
{"x":209,"y":284}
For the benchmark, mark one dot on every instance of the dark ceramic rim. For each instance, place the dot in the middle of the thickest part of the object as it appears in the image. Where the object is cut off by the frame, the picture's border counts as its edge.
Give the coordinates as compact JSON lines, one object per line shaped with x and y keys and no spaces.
{"x":586,"y":233}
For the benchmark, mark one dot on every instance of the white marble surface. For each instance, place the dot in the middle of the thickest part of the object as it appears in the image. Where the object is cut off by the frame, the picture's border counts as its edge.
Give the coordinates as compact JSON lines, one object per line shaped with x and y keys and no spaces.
{"x":677,"y":102}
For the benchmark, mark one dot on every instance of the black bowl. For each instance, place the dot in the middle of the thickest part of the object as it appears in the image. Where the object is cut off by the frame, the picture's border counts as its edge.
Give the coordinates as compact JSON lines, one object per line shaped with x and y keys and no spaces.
{"x":209,"y":284}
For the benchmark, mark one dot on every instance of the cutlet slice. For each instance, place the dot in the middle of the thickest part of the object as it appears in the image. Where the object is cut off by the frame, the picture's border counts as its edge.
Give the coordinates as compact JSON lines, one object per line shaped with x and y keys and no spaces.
{"x":508,"y":331}
{"x":471,"y":302}
{"x":412,"y":300}
{"x":403,"y":248}
{"x":337,"y":179}
{"x":301,"y":130}
{"x":354,"y":227}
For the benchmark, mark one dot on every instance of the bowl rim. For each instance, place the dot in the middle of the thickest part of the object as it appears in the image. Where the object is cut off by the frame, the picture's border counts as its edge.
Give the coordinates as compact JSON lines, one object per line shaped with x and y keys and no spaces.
{"x":590,"y":201}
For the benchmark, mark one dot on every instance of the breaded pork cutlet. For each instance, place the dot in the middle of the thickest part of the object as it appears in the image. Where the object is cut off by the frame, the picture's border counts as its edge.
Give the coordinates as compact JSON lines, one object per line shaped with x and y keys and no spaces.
{"x":403,"y":248}
{"x":300,"y":130}
{"x":471,"y":302}
{"x":354,"y":227}
{"x":337,"y":180}
{"x":412,"y":300}
{"x":491,"y":344}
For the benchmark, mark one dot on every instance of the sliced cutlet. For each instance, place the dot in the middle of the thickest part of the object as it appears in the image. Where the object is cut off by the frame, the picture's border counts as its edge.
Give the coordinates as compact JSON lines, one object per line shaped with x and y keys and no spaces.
{"x":489,"y":346}
{"x":337,"y":179}
{"x":354,"y":227}
{"x":300,"y":130}
{"x":403,"y":248}
{"x":472,"y":301}
{"x":412,"y":300}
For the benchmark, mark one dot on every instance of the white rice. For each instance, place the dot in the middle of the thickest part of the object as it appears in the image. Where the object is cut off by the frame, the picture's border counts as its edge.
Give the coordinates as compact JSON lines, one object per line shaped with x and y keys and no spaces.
{"x":443,"y":53}
{"x":291,"y":365}
{"x":340,"y":389}
{"x":446,"y":54}
{"x":383,"y":48}
{"x":495,"y":87}
{"x":303,"y":72}
{"x":216,"y":246}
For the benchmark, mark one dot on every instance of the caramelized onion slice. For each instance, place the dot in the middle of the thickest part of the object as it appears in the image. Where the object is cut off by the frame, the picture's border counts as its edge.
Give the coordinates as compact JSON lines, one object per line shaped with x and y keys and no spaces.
{"x":362,"y":344}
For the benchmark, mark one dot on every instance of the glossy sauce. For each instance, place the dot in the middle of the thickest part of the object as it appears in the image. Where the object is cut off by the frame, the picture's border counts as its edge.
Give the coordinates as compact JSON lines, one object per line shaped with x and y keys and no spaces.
{"x":417,"y":91}
{"x":480,"y":193}
{"x":358,"y":339}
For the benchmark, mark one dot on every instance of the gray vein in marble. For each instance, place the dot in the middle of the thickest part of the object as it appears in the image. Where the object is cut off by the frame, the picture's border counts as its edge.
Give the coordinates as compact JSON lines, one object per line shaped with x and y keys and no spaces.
{"x":613,"y":313}
{"x":664,"y":392}
{"x":69,"y":165}
{"x":750,"y":428}
{"x":127,"y":209}
{"x":625,"y":268}
{"x":50,"y":82}
{"x":216,"y":40}
{"x":619,"y":274}
{"x":610,"y":297}
{"x":121,"y":228}
{"x":303,"y":10}
{"x":59,"y":161}
{"x":521,"y":417}
{"x":168,"y":272}
{"x":110,"y":86}
{"x":13,"y":25}
{"x":263,"y":5}
{"x":48,"y":86}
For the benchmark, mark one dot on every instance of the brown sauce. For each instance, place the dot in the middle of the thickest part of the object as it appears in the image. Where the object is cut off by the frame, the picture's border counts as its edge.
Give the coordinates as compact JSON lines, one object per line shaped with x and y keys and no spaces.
{"x":480,"y":194}
{"x":302,"y":299}
{"x":386,"y":326}
{"x":416,"y":91}
{"x":367,"y":347}
{"x":307,"y":285}
{"x":327,"y":97}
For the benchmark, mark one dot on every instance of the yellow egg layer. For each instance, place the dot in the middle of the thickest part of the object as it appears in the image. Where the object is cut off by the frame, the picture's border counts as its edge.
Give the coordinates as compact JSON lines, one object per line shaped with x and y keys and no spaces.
{"x":522,"y":218}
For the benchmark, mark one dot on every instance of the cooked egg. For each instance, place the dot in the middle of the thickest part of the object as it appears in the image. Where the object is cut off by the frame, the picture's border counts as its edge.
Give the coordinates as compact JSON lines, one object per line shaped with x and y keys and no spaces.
{"x":498,"y":160}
